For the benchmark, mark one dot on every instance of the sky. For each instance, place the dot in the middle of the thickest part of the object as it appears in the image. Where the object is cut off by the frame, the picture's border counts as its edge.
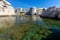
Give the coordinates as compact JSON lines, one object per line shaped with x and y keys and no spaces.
{"x":34,"y":3}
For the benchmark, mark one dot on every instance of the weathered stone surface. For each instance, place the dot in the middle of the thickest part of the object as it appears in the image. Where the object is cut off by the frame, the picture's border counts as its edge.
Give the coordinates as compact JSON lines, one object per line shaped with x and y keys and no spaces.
{"x":6,"y":8}
{"x":32,"y":11}
{"x":52,"y":12}
{"x":40,"y":11}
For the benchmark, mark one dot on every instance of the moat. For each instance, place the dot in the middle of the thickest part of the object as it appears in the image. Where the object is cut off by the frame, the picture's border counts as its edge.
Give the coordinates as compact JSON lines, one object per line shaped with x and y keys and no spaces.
{"x":26,"y":19}
{"x":10,"y":22}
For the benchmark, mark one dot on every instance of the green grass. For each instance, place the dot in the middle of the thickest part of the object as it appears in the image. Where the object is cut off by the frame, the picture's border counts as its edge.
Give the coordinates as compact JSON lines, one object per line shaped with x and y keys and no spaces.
{"x":4,"y":27}
{"x":52,"y":22}
{"x":26,"y":31}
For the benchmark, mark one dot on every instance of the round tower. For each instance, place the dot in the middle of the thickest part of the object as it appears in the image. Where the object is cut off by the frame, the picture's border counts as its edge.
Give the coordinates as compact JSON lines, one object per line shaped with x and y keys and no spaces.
{"x":33,"y":10}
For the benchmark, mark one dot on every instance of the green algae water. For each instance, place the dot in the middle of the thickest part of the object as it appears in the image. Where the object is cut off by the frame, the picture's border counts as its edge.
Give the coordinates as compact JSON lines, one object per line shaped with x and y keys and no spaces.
{"x":28,"y":28}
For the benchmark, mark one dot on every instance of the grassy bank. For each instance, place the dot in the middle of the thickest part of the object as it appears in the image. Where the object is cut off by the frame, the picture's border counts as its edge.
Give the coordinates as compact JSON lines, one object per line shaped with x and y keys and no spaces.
{"x":26,"y":31}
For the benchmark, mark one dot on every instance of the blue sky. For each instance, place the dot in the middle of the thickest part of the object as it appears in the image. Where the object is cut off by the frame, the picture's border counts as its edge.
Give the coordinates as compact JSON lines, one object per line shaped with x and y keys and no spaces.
{"x":34,"y":3}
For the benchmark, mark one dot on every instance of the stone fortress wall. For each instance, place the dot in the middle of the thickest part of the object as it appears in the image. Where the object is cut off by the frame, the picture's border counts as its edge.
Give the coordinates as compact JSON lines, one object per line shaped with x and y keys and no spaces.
{"x":6,"y":8}
{"x":51,"y":12}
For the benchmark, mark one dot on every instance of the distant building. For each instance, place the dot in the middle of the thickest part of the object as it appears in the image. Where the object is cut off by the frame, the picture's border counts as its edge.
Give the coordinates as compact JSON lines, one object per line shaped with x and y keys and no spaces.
{"x":20,"y":11}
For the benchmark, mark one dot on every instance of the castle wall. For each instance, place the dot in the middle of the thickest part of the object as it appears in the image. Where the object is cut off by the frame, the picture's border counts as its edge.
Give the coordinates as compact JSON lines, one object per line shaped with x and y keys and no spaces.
{"x":6,"y":8}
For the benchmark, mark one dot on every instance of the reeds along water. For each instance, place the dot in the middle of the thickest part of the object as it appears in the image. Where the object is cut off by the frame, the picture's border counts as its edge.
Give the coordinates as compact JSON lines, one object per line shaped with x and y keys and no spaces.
{"x":6,"y":21}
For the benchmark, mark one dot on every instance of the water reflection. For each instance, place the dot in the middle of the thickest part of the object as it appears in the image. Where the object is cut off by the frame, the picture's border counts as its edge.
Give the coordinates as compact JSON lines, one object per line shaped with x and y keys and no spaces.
{"x":21,"y":19}
{"x":9,"y":21}
{"x":38,"y":20}
{"x":44,"y":22}
{"x":30,"y":18}
{"x":26,"y":19}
